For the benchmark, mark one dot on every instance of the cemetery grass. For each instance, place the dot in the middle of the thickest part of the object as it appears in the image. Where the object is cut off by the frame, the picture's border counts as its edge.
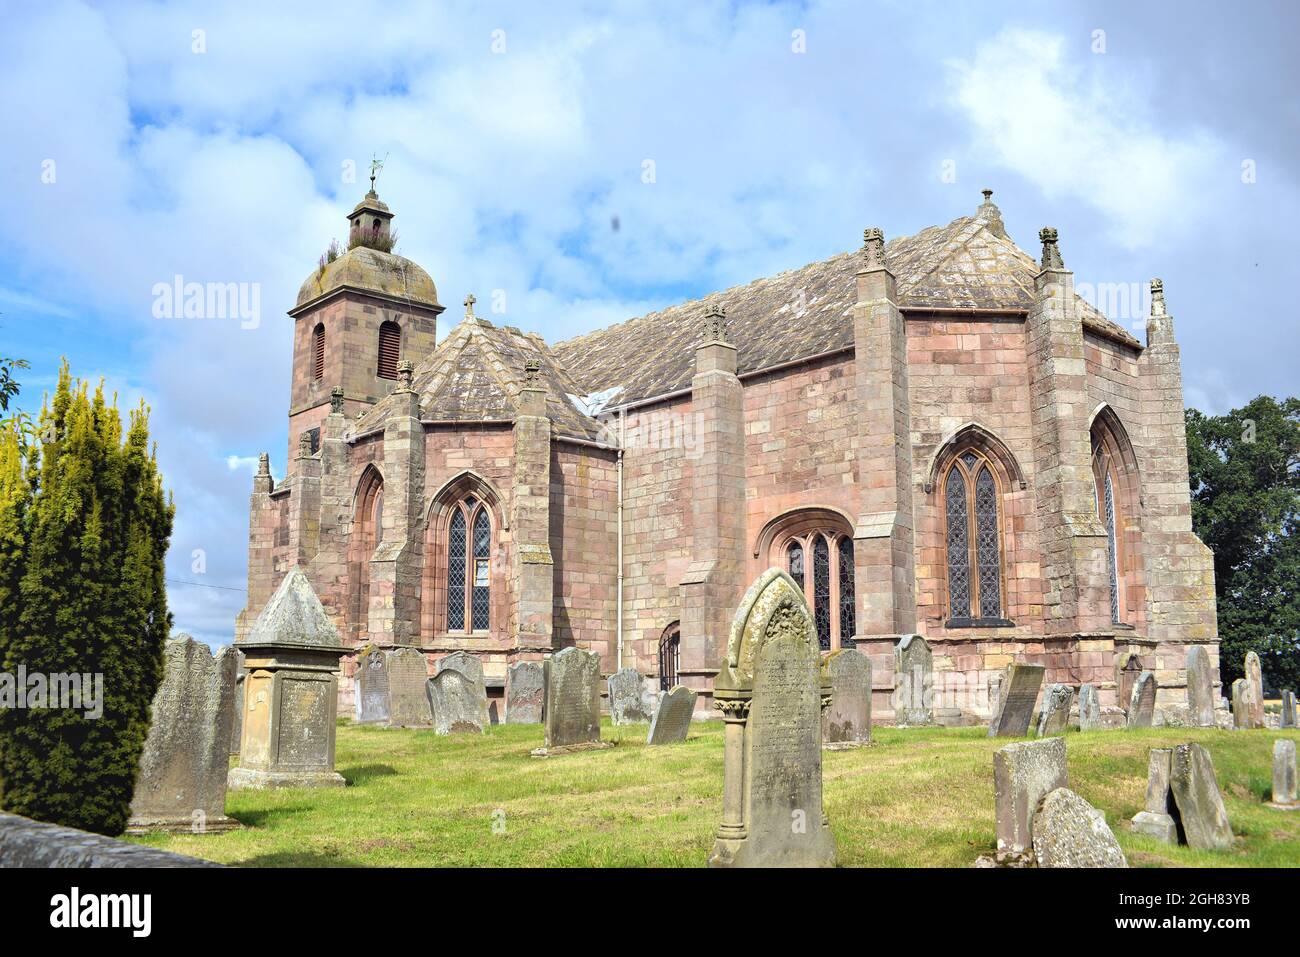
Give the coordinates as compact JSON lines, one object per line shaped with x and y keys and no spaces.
{"x":914,"y":798}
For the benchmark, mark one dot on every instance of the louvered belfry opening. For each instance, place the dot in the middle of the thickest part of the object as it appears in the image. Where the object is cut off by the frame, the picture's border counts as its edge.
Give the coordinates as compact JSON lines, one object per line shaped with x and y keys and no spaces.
{"x":390,"y":347}
{"x":318,"y":353}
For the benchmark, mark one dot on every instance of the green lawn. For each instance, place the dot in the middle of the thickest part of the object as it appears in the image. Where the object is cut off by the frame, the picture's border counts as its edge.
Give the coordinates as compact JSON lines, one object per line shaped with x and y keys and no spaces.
{"x":914,"y":798}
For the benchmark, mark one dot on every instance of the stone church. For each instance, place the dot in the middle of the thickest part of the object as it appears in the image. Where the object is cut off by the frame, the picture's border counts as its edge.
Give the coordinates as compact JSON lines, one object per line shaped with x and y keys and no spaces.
{"x":934,"y":435}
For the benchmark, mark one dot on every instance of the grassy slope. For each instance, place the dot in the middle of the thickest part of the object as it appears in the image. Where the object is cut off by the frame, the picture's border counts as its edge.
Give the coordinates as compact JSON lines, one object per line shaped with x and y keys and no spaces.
{"x":914,"y":798}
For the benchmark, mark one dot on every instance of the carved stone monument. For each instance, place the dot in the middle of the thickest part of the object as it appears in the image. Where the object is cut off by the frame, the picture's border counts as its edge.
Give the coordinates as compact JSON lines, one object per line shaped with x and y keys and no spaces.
{"x":1157,"y":818}
{"x":1057,"y":701}
{"x":1022,"y":774}
{"x":390,"y":688}
{"x":182,"y":779}
{"x":292,"y":655}
{"x":1089,"y":708}
{"x":1200,"y":687}
{"x":1142,"y":706}
{"x":572,"y":680}
{"x":771,"y":690}
{"x":913,"y":681}
{"x":457,"y":702}
{"x":1019,"y":695}
{"x":473,"y":692}
{"x":525,"y":693}
{"x":672,"y":718}
{"x":1200,"y":804}
{"x":847,"y":722}
{"x":627,"y":698}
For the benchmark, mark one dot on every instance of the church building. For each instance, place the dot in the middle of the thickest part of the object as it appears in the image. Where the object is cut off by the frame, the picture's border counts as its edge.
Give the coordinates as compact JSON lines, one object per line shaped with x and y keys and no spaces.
{"x":934,"y":435}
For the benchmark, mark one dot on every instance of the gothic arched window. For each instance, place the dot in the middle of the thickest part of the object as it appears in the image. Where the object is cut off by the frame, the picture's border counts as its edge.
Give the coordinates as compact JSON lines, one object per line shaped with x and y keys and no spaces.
{"x":670,"y":656}
{"x":816,"y":547}
{"x":390,"y":348}
{"x":973,"y":539}
{"x":469,"y":567}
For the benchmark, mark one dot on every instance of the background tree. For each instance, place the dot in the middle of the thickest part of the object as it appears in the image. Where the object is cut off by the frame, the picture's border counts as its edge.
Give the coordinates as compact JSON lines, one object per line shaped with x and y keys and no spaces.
{"x":1245,"y":477}
{"x":84,"y":528}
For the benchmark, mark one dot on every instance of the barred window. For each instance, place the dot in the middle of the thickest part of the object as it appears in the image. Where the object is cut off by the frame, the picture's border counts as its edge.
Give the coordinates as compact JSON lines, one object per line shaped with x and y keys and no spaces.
{"x":973,"y":539}
{"x":848,"y":615}
{"x":318,"y":352}
{"x":469,"y":567}
{"x":390,"y":347}
{"x":822,"y":591}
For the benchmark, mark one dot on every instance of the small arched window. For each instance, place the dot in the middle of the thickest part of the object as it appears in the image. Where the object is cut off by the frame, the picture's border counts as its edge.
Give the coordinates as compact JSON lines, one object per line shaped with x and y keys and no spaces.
{"x":390,"y":348}
{"x":973,"y":539}
{"x":670,"y":656}
{"x":828,"y":584}
{"x":469,"y":567}
{"x":318,"y":352}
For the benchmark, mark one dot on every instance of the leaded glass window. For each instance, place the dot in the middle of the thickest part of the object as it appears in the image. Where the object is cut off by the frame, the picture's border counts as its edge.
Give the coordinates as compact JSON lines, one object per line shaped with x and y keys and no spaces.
{"x":456,"y":555}
{"x":482,"y":572}
{"x":848,"y":615}
{"x":988,"y":551}
{"x":1112,"y":553}
{"x":795,"y":553}
{"x":959,"y":585}
{"x":822,"y":591}
{"x":973,"y":540}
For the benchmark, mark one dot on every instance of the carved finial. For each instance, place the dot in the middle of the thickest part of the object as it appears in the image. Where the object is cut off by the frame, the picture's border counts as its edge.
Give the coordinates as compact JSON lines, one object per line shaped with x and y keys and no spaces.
{"x":532,"y":374}
{"x":1051,"y":252}
{"x":304,"y":445}
{"x":715,"y":321}
{"x":336,"y":400}
{"x":469,"y":306}
{"x":264,"y":464}
{"x":1158,"y":297}
{"x":873,"y":247}
{"x":405,"y":373}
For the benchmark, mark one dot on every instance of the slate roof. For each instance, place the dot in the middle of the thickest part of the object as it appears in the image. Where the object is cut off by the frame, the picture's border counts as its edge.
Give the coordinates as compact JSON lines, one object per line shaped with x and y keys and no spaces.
{"x":969,"y":264}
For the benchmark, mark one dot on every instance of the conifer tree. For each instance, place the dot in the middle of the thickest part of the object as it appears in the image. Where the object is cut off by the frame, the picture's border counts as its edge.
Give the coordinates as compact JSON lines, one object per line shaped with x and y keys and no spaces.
{"x":84,"y":528}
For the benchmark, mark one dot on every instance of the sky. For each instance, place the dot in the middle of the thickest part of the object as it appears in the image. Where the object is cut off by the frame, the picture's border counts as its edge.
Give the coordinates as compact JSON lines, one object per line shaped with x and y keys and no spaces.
{"x":574,"y":165}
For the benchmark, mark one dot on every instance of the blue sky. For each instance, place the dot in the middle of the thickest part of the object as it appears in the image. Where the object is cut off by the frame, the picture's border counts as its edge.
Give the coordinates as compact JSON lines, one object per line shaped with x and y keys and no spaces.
{"x":145,"y":141}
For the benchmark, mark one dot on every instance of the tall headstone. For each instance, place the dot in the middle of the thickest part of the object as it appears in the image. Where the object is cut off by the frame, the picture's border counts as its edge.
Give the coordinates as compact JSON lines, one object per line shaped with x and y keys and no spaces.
{"x":408,"y":707}
{"x":1200,"y":687}
{"x":471,"y":667}
{"x":1255,"y":680}
{"x":672,"y":718}
{"x":1284,"y":774}
{"x":181,"y":784}
{"x":1126,"y":675}
{"x":1057,"y":701}
{"x":1022,"y":774}
{"x":1089,"y":708}
{"x":771,"y":691}
{"x":292,"y":655}
{"x":237,"y":722}
{"x":1019,"y":696}
{"x":1070,"y":832}
{"x":1157,"y":818}
{"x":913,"y":681}
{"x":1247,"y":705}
{"x":1288,"y":710}
{"x":847,"y":722}
{"x":371,"y":678}
{"x":1142,"y":705}
{"x":524,"y":693}
{"x":572,"y":679}
{"x":457,"y":703}
{"x":1200,"y":804}
{"x":627,"y":704}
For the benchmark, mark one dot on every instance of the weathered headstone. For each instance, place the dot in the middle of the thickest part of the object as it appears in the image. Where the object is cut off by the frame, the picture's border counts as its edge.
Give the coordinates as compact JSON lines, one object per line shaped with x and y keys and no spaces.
{"x":1057,"y":701}
{"x":408,"y":706}
{"x":995,"y":680}
{"x":572,"y":679}
{"x":1157,"y":818}
{"x":1200,"y":804}
{"x":371,"y":678}
{"x":525,"y":693}
{"x":1255,"y":679}
{"x":1070,"y":832}
{"x":1022,"y":774}
{"x":1129,"y":668}
{"x":1089,"y":708}
{"x":290,"y":695}
{"x":457,"y":702}
{"x":1142,"y":705}
{"x":1246,"y":706}
{"x":627,"y":704}
{"x":1284,"y":774}
{"x":771,"y":690}
{"x":237,"y":723}
{"x":847,"y":722}
{"x":1288,"y":710}
{"x":672,"y":718}
{"x":181,"y":785}
{"x":471,"y":666}
{"x":913,"y":681}
{"x":1019,"y":695}
{"x":1200,"y":687}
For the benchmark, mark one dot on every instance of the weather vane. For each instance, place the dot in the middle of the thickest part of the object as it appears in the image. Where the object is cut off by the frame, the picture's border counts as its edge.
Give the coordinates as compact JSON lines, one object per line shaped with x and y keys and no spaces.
{"x":376,"y":164}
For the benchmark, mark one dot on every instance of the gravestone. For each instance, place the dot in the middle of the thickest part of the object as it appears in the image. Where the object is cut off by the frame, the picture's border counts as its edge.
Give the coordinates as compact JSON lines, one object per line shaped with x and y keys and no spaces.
{"x":1057,"y":701}
{"x":1288,"y":710}
{"x":1089,"y":708}
{"x":1019,"y":695}
{"x":1126,"y":675}
{"x":1157,"y":818}
{"x":1196,"y":793}
{"x":1142,"y":706}
{"x":237,"y":722}
{"x":371,"y":679}
{"x":181,"y":785}
{"x":1070,"y":832}
{"x":627,"y":704}
{"x":408,"y":705}
{"x":524,"y":693}
{"x":471,"y":666}
{"x":847,"y":722}
{"x":1245,"y":705}
{"x":771,"y":690}
{"x":572,"y":680}
{"x":1022,"y":774}
{"x":457,"y":702}
{"x":913,"y":681}
{"x":1255,"y":681}
{"x":290,"y":695}
{"x":995,"y":692}
{"x":673,"y":716}
{"x":1200,"y":687}
{"x":1284,"y":774}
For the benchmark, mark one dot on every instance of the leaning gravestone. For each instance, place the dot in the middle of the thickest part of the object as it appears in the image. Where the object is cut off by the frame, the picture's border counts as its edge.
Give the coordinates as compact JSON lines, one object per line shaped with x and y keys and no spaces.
{"x":524,"y":693}
{"x":627,"y":703}
{"x":1019,"y":695}
{"x":292,"y":655}
{"x":771,"y":693}
{"x":457,"y":702}
{"x":572,"y":679}
{"x":1284,"y":775}
{"x":1057,"y":701}
{"x":1200,"y":687}
{"x":1157,"y":818}
{"x":1022,"y":774}
{"x":1089,"y":708}
{"x":673,"y":716}
{"x":1142,"y":706}
{"x":913,"y":681}
{"x":181,"y":785}
{"x":1070,"y":832}
{"x":847,"y":722}
{"x":1288,"y":710}
{"x":1255,"y":680}
{"x":472,"y":668}
{"x":1197,"y":797}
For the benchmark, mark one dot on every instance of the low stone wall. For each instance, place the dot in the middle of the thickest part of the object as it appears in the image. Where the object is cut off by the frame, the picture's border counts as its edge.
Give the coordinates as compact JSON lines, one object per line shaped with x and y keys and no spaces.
{"x":28,"y":843}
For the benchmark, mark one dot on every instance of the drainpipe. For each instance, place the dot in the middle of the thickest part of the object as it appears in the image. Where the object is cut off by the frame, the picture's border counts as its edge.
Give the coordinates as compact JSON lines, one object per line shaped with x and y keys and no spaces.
{"x":622,"y":423}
